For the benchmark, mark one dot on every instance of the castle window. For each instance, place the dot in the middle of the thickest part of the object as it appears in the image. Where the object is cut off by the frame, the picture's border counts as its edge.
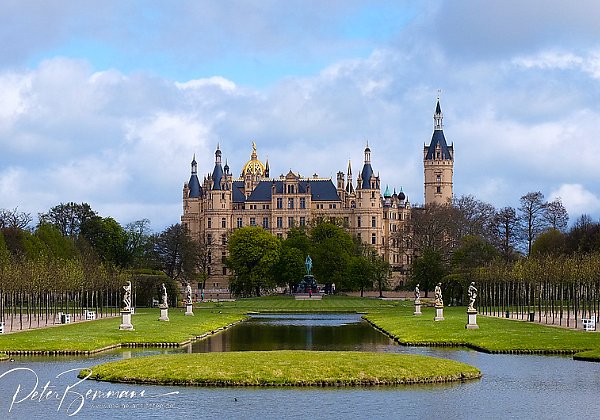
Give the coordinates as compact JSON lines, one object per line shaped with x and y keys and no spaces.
{"x":209,"y":257}
{"x":438,"y":190}
{"x":239,"y":222}
{"x":373,"y":221}
{"x":223,"y":222}
{"x":209,"y":223}
{"x":290,"y":189}
{"x":224,"y":239}
{"x":358,"y":221}
{"x":373,"y":239}
{"x":290,"y":222}
{"x":290,"y":203}
{"x":302,"y":202}
{"x":373,"y":194}
{"x":209,"y":238}
{"x":265,"y":222}
{"x":302,"y":221}
{"x":222,"y":196}
{"x":224,"y":271}
{"x":280,"y":222}
{"x":253,"y":221}
{"x":280,"y":203}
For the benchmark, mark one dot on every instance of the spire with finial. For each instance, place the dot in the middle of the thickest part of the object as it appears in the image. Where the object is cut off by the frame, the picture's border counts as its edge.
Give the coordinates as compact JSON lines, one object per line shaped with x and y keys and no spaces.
{"x":438,"y":116}
{"x":349,"y":186}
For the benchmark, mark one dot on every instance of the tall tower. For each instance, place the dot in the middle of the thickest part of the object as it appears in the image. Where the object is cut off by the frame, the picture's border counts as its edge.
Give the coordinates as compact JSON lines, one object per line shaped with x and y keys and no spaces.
{"x":438,"y":164}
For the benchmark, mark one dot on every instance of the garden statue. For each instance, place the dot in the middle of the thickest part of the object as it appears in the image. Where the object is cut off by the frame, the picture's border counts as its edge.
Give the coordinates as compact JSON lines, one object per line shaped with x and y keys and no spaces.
{"x":127,"y":297}
{"x":308,"y":264}
{"x":164,"y":296}
{"x":472,"y":291}
{"x":417,"y":293}
{"x":188,"y":290}
{"x":439,"y":301}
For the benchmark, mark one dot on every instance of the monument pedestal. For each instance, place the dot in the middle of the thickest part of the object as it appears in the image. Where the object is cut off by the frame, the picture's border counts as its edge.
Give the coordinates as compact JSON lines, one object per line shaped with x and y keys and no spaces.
{"x":126,"y":321}
{"x":188,"y":310}
{"x":164,"y":313}
{"x":439,"y":313}
{"x":472,"y":324}
{"x":417,"y":308}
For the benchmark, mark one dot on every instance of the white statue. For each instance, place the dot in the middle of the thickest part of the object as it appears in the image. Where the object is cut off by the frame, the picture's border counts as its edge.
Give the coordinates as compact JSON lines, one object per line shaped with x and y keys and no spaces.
{"x":127,"y":297}
{"x":472,"y":291}
{"x":164,"y":296}
{"x":439,"y":301}
{"x":188,"y":290}
{"x":417,"y":293}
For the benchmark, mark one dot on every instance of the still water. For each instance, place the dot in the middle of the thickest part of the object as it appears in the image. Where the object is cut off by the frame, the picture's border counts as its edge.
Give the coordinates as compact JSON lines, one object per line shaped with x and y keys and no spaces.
{"x":544,"y":387}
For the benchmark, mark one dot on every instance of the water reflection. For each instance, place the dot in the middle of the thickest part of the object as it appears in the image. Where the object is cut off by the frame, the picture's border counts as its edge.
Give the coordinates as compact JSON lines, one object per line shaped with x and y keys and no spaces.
{"x":347,"y":332}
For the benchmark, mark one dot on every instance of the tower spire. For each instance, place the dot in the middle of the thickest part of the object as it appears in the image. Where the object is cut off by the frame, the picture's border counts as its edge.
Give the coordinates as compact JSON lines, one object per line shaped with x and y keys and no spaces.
{"x":438,"y":116}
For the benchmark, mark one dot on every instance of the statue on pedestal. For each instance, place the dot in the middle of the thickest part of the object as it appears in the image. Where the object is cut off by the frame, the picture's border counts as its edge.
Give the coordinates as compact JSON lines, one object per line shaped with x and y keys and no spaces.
{"x":417,"y":293}
{"x":165,"y":303}
{"x":127,"y":297}
{"x":308,"y":265}
{"x":188,"y":291}
{"x":439,"y":301}
{"x":472,"y":292}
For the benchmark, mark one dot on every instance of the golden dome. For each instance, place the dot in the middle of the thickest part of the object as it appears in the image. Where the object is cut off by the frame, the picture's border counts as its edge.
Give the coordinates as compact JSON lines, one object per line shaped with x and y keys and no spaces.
{"x":253,"y":166}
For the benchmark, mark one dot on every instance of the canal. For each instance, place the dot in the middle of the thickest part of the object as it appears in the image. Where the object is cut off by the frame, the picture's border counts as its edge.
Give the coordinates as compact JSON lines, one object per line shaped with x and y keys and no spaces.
{"x":513,"y":386}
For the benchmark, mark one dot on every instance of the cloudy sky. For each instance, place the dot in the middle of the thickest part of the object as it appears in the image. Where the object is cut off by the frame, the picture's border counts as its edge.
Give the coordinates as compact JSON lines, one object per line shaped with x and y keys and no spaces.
{"x":106,"y":102}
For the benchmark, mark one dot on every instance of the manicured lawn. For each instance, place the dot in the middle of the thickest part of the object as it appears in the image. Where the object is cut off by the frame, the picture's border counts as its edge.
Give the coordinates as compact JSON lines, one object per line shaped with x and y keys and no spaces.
{"x":94,"y":335}
{"x":277,"y":368}
{"x":289,"y":304}
{"x":493,"y":335}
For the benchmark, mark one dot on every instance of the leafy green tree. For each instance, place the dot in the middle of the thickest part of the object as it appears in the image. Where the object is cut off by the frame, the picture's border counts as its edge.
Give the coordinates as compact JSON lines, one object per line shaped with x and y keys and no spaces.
{"x":139,"y":242}
{"x":551,"y":242}
{"x":473,"y":252}
{"x":108,"y":239}
{"x":57,"y":245}
{"x":253,"y":255}
{"x":359,"y":274}
{"x":428,"y":270}
{"x":290,"y":268}
{"x":332,"y":249}
{"x":69,"y":217}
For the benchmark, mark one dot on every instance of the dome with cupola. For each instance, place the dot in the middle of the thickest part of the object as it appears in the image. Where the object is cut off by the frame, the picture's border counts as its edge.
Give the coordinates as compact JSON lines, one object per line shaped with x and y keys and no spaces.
{"x":253,"y":166}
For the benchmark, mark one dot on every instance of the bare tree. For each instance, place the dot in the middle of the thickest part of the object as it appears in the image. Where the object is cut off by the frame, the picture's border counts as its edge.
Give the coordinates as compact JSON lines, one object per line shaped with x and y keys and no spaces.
{"x":506,"y":232}
{"x":532,"y":212}
{"x":14,"y":219}
{"x":476,"y":217}
{"x":69,"y":217}
{"x":556,"y":215}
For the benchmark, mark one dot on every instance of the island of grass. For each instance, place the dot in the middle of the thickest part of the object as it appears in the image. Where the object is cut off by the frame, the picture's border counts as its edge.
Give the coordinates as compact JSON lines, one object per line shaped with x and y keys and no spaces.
{"x":3,"y":356}
{"x":283,"y":368}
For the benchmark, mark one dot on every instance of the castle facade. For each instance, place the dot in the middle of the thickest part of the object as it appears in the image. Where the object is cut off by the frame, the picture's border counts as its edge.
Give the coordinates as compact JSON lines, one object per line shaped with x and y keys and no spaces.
{"x":221,"y":203}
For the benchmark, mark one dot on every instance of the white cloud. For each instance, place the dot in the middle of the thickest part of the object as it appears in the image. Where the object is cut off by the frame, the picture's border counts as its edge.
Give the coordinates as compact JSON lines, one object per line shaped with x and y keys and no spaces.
{"x":577,"y":199}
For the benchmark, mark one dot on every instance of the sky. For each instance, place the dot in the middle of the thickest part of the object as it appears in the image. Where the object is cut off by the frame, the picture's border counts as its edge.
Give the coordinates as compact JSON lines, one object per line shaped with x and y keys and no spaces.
{"x":107,"y":102}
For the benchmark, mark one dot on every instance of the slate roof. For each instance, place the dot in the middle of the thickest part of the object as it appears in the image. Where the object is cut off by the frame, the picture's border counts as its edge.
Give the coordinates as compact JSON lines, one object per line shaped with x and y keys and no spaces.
{"x":194,"y":186}
{"x":217,"y":174}
{"x":438,"y":138}
{"x":366,"y":174}
{"x":321,"y":190}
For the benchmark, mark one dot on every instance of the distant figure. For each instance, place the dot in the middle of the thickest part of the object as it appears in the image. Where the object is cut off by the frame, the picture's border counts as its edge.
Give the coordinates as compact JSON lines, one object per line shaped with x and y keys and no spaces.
{"x":164,"y":296}
{"x":417,"y":293}
{"x":127,"y":297}
{"x":332,"y":288}
{"x":472,"y":291}
{"x":439,"y":301}
{"x":189,"y":294}
{"x":308,"y":264}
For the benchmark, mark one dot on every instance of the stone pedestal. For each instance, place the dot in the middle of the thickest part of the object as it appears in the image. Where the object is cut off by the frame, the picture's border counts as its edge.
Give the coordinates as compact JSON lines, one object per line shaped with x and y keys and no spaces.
{"x":164,"y":313}
{"x":439,"y":313}
{"x":417,"y":308}
{"x":188,"y":310}
{"x":472,"y":324}
{"x":126,"y":321}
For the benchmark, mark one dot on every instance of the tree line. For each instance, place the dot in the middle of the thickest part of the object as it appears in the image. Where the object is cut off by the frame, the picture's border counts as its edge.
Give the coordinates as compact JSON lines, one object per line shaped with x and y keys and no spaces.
{"x":262,"y":262}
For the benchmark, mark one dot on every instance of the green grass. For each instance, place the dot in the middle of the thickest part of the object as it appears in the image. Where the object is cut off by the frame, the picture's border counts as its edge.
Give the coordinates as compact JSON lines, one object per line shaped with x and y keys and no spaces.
{"x":283,"y":368}
{"x":289,"y":304}
{"x":588,"y":356}
{"x":3,"y":356}
{"x":94,"y":335}
{"x":493,"y":335}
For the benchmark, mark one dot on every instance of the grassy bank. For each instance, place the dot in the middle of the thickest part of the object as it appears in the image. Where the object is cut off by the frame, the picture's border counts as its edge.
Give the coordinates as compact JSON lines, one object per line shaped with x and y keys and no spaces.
{"x":588,"y":356}
{"x":494,"y":334}
{"x":95,"y":335}
{"x":283,"y":368}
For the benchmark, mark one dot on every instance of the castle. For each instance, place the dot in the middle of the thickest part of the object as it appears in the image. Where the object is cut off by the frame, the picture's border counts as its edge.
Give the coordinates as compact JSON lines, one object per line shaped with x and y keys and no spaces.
{"x":222,"y":203}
